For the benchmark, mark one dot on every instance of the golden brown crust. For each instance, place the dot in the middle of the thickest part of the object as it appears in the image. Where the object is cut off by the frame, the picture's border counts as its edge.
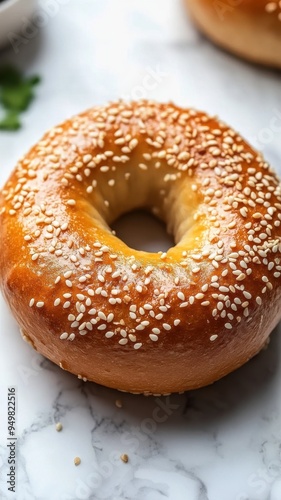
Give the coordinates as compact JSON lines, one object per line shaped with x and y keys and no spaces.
{"x":249,"y":28}
{"x":137,"y":321}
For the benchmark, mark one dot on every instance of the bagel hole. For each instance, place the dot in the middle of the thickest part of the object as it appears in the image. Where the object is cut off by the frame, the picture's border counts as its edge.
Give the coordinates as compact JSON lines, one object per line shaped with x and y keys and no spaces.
{"x":141,"y":230}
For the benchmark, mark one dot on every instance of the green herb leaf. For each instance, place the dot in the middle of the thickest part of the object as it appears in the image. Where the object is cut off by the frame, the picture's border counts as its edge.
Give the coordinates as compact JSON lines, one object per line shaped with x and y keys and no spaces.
{"x":16,"y":93}
{"x":17,"y":97}
{"x":34,"y":80}
{"x":10,"y":121}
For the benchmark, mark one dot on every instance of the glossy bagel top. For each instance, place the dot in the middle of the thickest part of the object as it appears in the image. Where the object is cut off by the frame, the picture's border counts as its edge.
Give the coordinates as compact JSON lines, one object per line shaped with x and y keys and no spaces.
{"x":138,"y":321}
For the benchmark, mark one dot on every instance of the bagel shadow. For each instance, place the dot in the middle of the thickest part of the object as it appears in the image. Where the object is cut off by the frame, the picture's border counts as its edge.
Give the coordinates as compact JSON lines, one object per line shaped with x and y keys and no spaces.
{"x":195,"y":421}
{"x":248,"y":387}
{"x":240,"y":390}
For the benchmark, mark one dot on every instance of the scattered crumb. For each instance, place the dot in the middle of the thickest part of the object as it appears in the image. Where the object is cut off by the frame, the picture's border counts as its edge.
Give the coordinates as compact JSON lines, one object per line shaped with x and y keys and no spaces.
{"x":77,"y":461}
{"x":124,"y":458}
{"x":118,"y":403}
{"x":58,"y":426}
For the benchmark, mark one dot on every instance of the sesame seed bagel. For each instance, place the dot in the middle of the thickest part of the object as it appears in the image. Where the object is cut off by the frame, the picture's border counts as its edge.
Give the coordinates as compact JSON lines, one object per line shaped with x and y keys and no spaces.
{"x":132,"y":320}
{"x":249,"y":28}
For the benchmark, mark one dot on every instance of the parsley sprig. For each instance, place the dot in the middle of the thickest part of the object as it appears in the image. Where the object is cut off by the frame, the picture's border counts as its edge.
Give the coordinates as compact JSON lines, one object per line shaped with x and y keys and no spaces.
{"x":16,"y":94}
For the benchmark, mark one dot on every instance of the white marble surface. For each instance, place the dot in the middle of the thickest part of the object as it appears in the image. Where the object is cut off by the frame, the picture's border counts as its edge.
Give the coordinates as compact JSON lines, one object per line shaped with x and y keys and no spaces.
{"x":219,"y":443}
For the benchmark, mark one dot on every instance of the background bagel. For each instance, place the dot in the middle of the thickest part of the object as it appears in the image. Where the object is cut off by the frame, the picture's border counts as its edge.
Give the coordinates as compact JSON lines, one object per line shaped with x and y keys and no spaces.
{"x":249,"y":28}
{"x":137,"y":321}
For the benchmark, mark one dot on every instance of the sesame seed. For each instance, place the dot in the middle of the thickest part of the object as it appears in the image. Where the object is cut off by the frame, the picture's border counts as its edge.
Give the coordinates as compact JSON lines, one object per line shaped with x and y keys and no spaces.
{"x":153,"y":337}
{"x":166,"y":326}
{"x":109,"y":335}
{"x":156,"y":331}
{"x":271,"y":7}
{"x":137,"y":345}
{"x":244,"y":211}
{"x":87,"y":158}
{"x":213,"y":337}
{"x":123,"y":341}
{"x":228,"y":326}
{"x":159,"y":316}
{"x":196,"y":270}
